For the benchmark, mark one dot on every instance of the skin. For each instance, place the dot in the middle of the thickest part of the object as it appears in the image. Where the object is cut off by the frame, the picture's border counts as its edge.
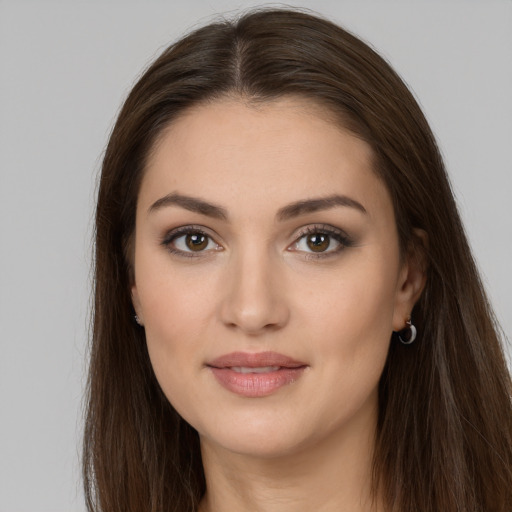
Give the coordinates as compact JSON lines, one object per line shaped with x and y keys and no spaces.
{"x":258,"y":286}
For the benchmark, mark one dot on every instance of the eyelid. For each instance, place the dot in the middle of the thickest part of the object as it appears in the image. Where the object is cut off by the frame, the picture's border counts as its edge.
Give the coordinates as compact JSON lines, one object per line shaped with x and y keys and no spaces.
{"x":343,"y":239}
{"x":180,"y":231}
{"x":338,"y":234}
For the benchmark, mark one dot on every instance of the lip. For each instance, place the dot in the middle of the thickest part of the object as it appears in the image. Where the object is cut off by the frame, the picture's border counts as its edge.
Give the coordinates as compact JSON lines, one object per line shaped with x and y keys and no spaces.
{"x":263,"y":383}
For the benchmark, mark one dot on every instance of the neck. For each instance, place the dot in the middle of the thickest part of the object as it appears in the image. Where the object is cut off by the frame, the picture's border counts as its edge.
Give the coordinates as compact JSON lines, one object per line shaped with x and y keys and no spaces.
{"x":333,"y":474}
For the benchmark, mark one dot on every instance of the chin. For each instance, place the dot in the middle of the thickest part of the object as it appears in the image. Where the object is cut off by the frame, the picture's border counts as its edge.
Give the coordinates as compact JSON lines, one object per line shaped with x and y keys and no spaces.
{"x":259,"y":445}
{"x":265,"y":435}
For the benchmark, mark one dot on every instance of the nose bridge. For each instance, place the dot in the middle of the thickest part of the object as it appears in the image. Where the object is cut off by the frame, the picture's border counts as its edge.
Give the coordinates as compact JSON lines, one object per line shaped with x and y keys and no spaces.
{"x":254,"y":300}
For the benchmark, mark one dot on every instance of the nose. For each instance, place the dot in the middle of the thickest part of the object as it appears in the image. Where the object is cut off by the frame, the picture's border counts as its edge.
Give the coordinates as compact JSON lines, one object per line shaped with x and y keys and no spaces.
{"x":254,"y":299}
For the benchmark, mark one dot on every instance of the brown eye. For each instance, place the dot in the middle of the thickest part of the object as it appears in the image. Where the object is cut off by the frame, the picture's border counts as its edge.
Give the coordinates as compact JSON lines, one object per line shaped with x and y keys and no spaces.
{"x":196,"y":241}
{"x":318,"y":242}
{"x":321,"y":241}
{"x":188,"y":241}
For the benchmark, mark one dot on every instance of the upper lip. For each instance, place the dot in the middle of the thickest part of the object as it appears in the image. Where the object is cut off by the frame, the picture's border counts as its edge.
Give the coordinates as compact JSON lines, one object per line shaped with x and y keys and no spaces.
{"x":255,"y":360}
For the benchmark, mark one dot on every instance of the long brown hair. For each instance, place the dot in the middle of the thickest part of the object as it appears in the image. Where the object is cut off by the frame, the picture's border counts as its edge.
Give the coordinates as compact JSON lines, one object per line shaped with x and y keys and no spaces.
{"x":444,"y":438}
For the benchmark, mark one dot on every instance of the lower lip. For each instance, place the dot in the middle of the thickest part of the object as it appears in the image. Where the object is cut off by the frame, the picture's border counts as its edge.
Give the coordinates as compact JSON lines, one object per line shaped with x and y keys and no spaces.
{"x":253,"y":385}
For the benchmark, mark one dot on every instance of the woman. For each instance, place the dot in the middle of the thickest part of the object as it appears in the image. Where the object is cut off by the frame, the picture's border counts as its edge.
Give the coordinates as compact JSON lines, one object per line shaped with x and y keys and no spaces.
{"x":287,"y":314}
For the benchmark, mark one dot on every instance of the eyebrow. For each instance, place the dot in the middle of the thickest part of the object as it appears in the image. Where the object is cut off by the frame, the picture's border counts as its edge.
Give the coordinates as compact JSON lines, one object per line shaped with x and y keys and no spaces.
{"x":314,"y":205}
{"x":192,"y":204}
{"x":290,"y":211}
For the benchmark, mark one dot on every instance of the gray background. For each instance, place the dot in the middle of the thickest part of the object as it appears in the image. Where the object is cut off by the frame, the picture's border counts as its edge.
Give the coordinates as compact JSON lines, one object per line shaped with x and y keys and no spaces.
{"x":65,"y":69}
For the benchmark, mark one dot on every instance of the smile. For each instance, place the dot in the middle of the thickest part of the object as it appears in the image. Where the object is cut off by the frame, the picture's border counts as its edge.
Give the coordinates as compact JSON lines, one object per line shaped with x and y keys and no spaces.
{"x":255,"y":375}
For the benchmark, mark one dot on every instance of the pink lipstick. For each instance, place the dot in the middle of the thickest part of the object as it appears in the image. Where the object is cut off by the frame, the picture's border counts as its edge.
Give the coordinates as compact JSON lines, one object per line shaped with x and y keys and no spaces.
{"x":255,"y":374}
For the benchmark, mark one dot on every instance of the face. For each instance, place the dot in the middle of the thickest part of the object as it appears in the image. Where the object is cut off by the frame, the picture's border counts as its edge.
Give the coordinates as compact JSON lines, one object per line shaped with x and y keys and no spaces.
{"x":267,"y":275}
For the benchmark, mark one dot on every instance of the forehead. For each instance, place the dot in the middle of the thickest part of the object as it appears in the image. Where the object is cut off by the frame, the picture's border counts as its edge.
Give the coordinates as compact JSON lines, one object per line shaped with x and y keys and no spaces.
{"x":278,"y":151}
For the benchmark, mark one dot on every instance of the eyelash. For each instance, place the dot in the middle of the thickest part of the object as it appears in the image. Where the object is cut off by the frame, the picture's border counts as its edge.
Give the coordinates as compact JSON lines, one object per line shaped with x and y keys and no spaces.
{"x":339,"y":236}
{"x":183,"y":231}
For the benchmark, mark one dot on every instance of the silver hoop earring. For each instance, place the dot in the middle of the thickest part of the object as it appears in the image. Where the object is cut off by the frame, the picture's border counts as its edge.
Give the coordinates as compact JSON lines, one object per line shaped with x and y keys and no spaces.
{"x":137,"y":319}
{"x":407,"y":335}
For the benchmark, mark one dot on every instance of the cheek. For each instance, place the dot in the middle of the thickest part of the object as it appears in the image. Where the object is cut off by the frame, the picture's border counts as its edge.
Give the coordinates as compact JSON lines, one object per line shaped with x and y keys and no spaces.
{"x":174,"y":317}
{"x":350,"y":322}
{"x":175,"y":299}
{"x":358,"y":300}
{"x":178,"y":308}
{"x":172,"y":345}
{"x":349,"y":330}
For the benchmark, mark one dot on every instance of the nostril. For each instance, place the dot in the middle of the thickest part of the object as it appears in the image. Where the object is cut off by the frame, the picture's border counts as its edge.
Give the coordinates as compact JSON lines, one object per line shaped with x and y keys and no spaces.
{"x":253,"y":300}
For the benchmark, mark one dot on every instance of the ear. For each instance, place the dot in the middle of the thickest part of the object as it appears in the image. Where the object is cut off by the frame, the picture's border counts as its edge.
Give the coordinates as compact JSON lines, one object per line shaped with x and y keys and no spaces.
{"x":412,"y":278}
{"x":136,"y":304}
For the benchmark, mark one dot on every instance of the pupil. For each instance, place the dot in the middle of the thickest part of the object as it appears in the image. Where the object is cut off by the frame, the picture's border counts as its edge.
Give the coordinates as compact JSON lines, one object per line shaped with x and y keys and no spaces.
{"x":318,"y":242}
{"x":196,"y":242}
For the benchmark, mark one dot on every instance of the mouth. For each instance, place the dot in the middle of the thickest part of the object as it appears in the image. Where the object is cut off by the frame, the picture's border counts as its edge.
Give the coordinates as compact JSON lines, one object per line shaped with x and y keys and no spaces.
{"x":261,"y":369}
{"x":256,"y":375}
{"x":257,"y":360}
